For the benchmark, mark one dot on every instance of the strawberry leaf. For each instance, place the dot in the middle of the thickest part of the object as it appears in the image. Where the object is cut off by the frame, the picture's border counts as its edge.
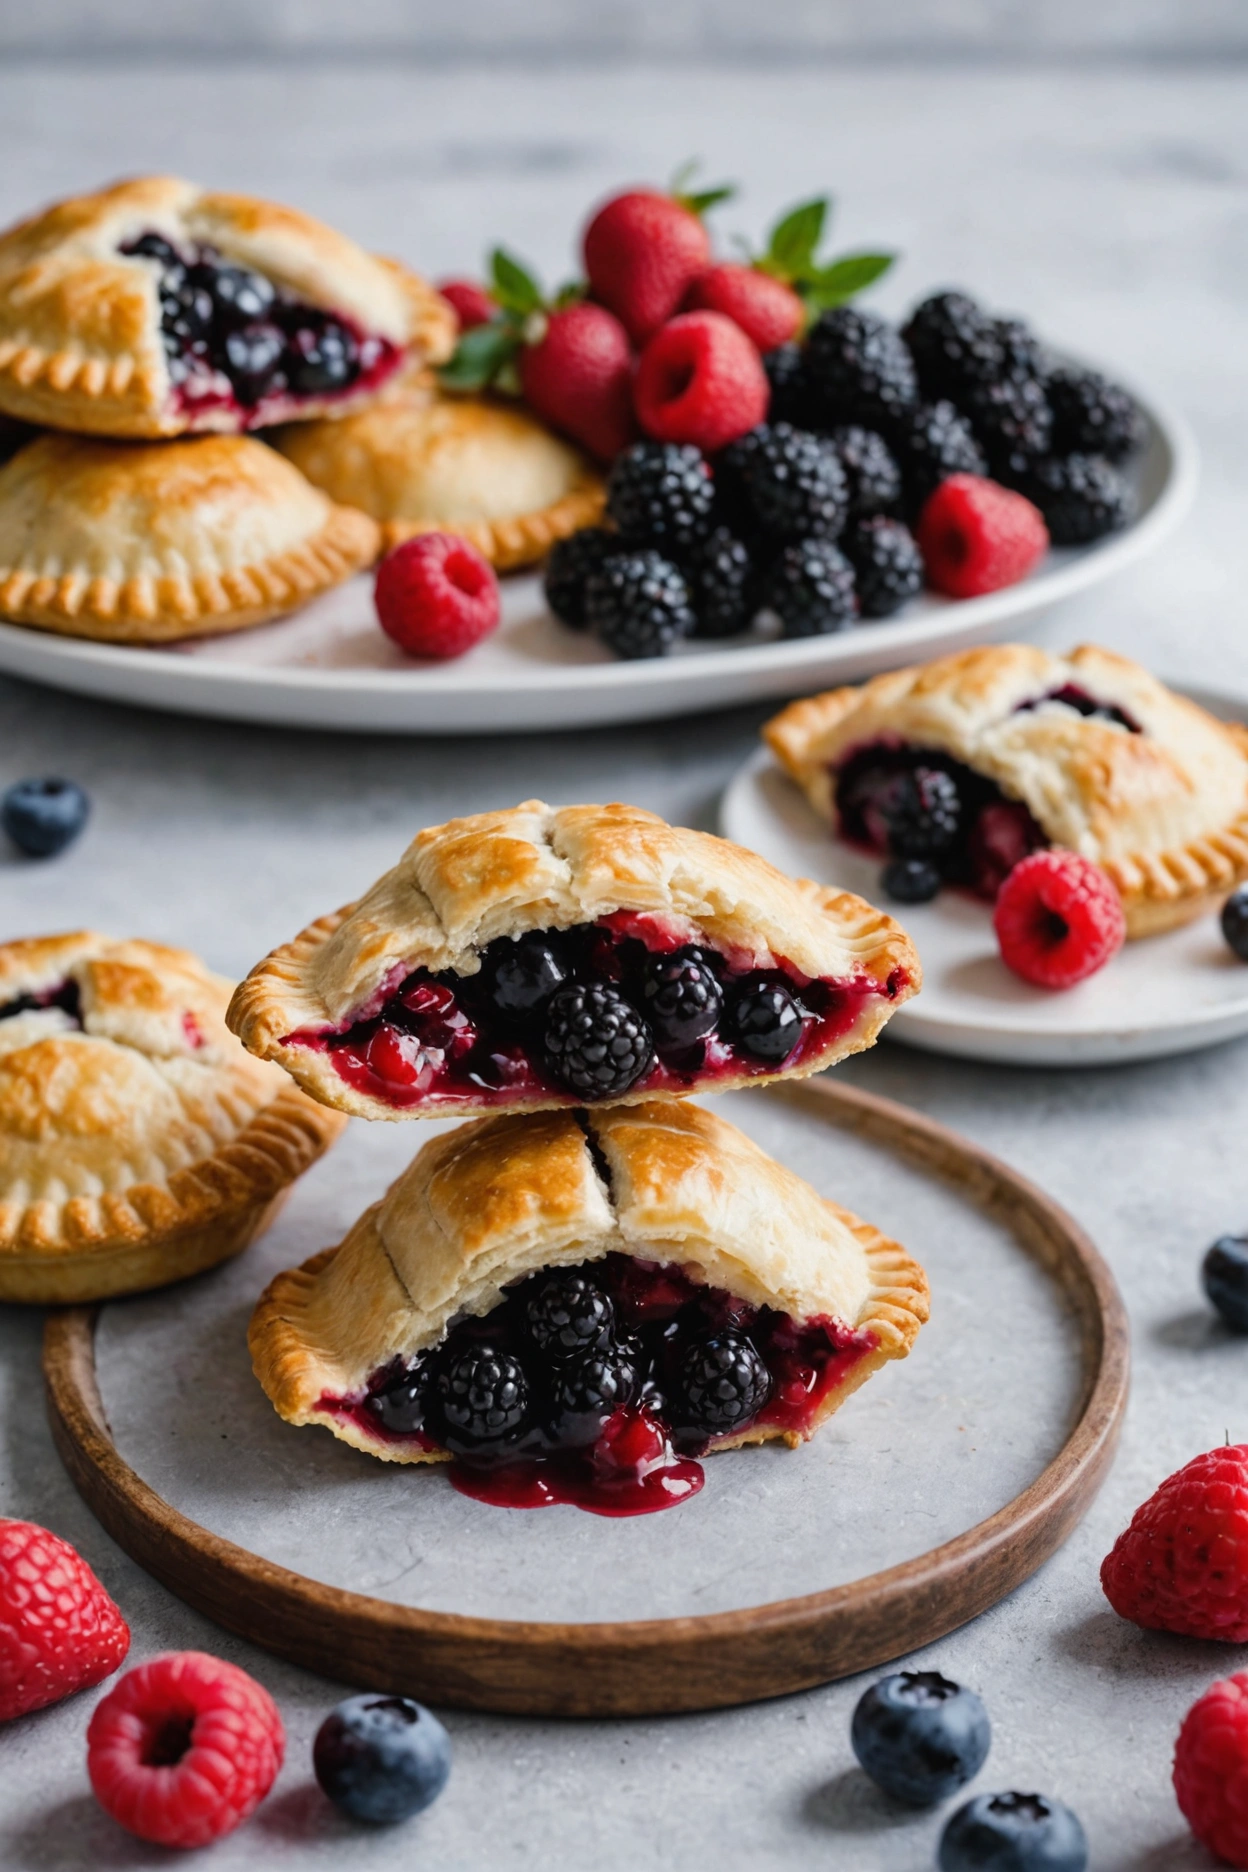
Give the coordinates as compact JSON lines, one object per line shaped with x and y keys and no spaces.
{"x":832,"y":285}
{"x":568,"y":295}
{"x":479,"y":356}
{"x":791,"y":245}
{"x":697,"y":201}
{"x":512,"y":286}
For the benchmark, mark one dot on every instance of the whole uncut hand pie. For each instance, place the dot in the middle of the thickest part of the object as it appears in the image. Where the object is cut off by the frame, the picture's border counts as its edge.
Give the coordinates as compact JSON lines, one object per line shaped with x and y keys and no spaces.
{"x":147,"y":542}
{"x":139,"y":1143}
{"x":538,"y":957}
{"x":605,"y":1292}
{"x":975,"y":760}
{"x":421,"y":462}
{"x":155,"y":307}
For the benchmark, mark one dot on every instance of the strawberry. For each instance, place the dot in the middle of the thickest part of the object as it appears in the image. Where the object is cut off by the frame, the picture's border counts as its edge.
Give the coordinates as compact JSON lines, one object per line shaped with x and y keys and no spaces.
{"x":644,"y":249}
{"x":700,"y":380}
{"x":773,"y":296}
{"x":472,"y":304}
{"x":768,"y":311}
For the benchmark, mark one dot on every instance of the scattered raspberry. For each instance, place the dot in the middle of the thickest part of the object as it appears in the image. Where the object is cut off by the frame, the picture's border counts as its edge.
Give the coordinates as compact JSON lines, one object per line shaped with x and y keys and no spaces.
{"x":578,"y":377}
{"x":768,"y":312}
{"x":436,"y":596}
{"x":977,"y":537}
{"x":184,"y":1749}
{"x":1182,"y":1565}
{"x":1058,"y":919}
{"x":642,"y":251}
{"x":700,"y":380}
{"x":59,"y":1630}
{"x":473,"y":305}
{"x":1211,"y":1765}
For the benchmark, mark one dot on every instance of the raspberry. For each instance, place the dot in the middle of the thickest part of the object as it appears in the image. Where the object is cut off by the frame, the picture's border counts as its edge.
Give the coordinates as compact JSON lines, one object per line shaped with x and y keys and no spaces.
{"x":1182,"y":1565}
{"x":661,"y":494}
{"x":768,"y":311}
{"x":976,"y":536}
{"x":472,"y":304}
{"x":578,"y":377}
{"x":888,"y":566}
{"x":643,"y":250}
{"x":571,"y":564}
{"x":1211,"y":1769}
{"x":637,"y":603}
{"x":59,"y":1630}
{"x":1058,"y":919}
{"x":700,"y":380}
{"x":184,"y":1748}
{"x":436,"y":596}
{"x":811,"y":589}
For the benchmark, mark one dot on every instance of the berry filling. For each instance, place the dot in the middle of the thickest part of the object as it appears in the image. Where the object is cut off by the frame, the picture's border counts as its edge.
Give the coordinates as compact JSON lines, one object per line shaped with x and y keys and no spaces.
{"x":233,"y":340}
{"x":64,"y":996}
{"x":1071,"y":696}
{"x":602,"y":1385}
{"x":630,"y":1003}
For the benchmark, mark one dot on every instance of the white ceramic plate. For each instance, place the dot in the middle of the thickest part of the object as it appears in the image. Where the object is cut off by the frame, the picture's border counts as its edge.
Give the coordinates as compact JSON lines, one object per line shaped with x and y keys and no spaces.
{"x":330,"y":666}
{"x":1167,"y":994}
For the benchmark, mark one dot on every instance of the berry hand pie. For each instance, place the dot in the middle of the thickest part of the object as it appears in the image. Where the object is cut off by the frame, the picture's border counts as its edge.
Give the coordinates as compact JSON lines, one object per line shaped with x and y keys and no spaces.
{"x":536,"y":958}
{"x":155,"y":307}
{"x":575,"y":1304}
{"x":421,"y":462}
{"x":974,"y":761}
{"x":139,"y":1143}
{"x":152,"y":541}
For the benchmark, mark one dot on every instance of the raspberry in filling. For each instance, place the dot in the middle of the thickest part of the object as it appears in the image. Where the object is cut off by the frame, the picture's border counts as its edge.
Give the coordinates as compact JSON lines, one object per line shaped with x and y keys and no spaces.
{"x":602,"y":1385}
{"x":593,"y":1012}
{"x":235,"y":341}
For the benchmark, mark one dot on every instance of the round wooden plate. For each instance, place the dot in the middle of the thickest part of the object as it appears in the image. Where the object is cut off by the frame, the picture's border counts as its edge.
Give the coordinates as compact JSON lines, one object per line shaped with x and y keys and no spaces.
{"x":649,"y":1666}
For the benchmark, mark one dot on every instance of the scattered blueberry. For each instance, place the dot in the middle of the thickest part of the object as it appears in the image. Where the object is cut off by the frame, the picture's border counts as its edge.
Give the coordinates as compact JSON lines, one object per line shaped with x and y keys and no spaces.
{"x":569,"y":1314}
{"x":381,"y":1758}
{"x":768,"y":1022}
{"x":723,"y":1384}
{"x":920,"y":1736}
{"x":42,"y":817}
{"x":1235,"y":921}
{"x":1224,"y":1274}
{"x":1013,"y":1833}
{"x":910,"y":880}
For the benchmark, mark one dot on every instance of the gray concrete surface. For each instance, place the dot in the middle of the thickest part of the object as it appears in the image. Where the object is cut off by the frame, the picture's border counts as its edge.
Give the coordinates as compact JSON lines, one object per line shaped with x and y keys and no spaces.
{"x":1114,"y":208}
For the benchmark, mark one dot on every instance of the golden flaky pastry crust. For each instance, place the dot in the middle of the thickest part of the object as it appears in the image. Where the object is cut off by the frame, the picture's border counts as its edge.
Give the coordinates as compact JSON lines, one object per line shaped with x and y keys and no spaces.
{"x":80,"y":340}
{"x":1163,"y":811}
{"x":421,"y":462}
{"x":147,"y":542}
{"x":139,"y":1143}
{"x":533,"y":866}
{"x":487,"y":1204}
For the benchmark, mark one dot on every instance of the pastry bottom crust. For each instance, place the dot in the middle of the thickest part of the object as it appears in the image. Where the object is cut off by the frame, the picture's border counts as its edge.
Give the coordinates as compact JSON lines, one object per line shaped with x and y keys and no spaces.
{"x":509,"y":545}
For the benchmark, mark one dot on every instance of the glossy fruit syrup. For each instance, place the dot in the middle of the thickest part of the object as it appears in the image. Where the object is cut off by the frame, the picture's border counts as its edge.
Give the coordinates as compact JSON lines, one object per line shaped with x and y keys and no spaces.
{"x":678,"y":1014}
{"x":601,"y":1386}
{"x":64,"y":995}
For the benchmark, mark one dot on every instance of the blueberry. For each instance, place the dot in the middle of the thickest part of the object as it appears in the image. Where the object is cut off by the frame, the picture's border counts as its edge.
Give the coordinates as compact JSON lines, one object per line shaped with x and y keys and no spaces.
{"x":241,"y":294}
{"x":381,"y":1758}
{"x":767,"y":1021}
{"x":681,"y":998}
{"x":910,"y":880}
{"x":569,"y":1314}
{"x":525,"y":972}
{"x":1235,"y":921}
{"x":252,"y":358}
{"x":400,"y":1404}
{"x":42,"y":817}
{"x":323,"y":360}
{"x":1224,"y":1273}
{"x":153,"y":247}
{"x":920,"y":1736}
{"x":1013,"y":1833}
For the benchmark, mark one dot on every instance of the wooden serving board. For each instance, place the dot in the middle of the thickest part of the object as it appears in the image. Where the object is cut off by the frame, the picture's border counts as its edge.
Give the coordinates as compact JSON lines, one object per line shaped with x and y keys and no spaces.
{"x":649,"y":1665}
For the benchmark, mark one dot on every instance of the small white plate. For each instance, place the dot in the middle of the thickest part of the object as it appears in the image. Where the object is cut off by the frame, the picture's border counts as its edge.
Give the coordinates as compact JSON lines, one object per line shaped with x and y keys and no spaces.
{"x":1165,"y":994}
{"x":330,"y":666}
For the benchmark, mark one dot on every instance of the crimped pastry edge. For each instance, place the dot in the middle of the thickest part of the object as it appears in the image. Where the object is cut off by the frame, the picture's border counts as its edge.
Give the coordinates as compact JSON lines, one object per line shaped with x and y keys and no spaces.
{"x":521,"y":541}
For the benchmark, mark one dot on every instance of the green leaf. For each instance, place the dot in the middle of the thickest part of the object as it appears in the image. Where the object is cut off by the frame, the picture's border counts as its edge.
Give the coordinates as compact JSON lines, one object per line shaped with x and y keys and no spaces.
{"x":479,"y":356}
{"x":793,"y":240}
{"x":683,"y":176}
{"x":514,"y":288}
{"x":832,"y":285}
{"x":707,"y":198}
{"x":571,"y":294}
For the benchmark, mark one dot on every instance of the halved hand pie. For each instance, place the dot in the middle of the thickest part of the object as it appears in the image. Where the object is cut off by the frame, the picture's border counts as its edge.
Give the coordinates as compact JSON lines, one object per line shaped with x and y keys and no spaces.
{"x":576,"y":1304}
{"x":155,"y":307}
{"x":535,"y":958}
{"x":147,"y":542}
{"x":975,"y":760}
{"x":138,"y":1142}
{"x":421,"y":462}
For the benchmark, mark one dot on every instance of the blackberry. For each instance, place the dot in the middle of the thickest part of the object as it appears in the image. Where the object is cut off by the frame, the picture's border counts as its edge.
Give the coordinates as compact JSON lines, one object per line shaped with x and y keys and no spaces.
{"x":767,"y":1022}
{"x":321,"y":360}
{"x":682,"y":1000}
{"x":661,"y":494}
{"x":871,"y":472}
{"x":252,"y":359}
{"x":910,"y":880}
{"x":794,"y":483}
{"x":722,"y":1384}
{"x":524,"y":972}
{"x":1092,"y":416}
{"x":859,"y":369}
{"x":1234,"y":919}
{"x":568,"y":570}
{"x":1082,"y":497}
{"x":569,"y":1315}
{"x":240,"y":294}
{"x":1022,"y":354}
{"x":597,"y":1044}
{"x":932,"y":442}
{"x":888,"y":566}
{"x":482,"y":1396}
{"x":721,"y":585}
{"x":638,"y":604}
{"x":1013,"y":423}
{"x":590,"y":1389}
{"x":811,"y":589}
{"x":790,"y":388}
{"x":400,"y":1404}
{"x":955,"y":345}
{"x":923,"y":813}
